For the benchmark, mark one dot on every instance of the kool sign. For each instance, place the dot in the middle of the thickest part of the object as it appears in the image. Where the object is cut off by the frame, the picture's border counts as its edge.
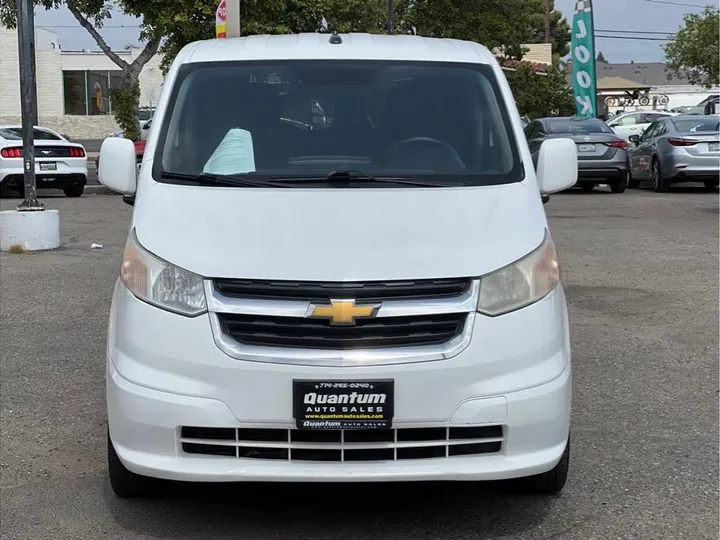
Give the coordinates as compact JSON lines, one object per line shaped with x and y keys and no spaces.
{"x":583,"y":60}
{"x":221,"y":20}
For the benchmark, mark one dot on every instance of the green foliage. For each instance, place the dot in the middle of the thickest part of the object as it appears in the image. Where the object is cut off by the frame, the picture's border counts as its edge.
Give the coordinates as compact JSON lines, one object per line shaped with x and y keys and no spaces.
{"x":538,"y":95}
{"x":186,"y":21}
{"x":694,"y":51}
{"x":125,"y":108}
{"x":558,"y":26}
{"x":601,"y":57}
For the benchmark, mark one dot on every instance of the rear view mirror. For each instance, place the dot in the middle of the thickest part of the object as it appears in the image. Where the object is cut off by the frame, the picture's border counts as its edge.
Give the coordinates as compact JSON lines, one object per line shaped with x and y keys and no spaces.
{"x":118,"y":168}
{"x":635,"y":139}
{"x":557,"y":165}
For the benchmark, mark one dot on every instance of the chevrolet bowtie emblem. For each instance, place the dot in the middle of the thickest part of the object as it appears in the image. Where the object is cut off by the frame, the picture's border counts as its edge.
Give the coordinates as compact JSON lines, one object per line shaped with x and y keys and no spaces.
{"x":343,"y":312}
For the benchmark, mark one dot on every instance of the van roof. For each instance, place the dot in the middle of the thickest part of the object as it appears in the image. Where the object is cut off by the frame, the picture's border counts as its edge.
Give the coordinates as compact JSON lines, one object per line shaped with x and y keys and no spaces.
{"x":316,"y":46}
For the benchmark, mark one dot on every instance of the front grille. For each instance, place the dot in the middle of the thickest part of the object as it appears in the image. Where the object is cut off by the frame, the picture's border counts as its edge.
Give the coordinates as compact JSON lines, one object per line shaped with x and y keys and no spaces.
{"x":51,"y":151}
{"x":371,"y":291}
{"x":382,"y":332}
{"x":342,"y":445}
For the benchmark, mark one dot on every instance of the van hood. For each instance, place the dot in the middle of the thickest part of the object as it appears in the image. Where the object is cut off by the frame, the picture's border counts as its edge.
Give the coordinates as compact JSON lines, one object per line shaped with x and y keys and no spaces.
{"x":351,"y":234}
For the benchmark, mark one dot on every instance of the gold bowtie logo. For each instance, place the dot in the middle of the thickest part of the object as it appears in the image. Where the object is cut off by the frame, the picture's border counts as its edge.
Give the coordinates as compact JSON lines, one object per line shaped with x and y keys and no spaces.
{"x":343,"y":312}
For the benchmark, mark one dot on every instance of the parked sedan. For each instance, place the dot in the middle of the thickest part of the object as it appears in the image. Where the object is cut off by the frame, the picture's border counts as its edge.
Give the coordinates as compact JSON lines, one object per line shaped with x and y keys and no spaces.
{"x":634,"y":123}
{"x":602,"y":155}
{"x":59,"y":163}
{"x":677,"y":149}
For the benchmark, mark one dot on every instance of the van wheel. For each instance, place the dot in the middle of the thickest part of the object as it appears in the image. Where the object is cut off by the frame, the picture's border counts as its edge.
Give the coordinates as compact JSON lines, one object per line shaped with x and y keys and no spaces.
{"x":124,"y":483}
{"x":620,"y":185}
{"x":660,"y":183}
{"x":74,"y":191}
{"x":550,"y":482}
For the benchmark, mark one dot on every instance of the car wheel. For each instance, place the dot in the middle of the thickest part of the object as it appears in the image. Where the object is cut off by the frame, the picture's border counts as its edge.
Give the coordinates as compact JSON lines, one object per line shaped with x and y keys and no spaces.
{"x":550,"y":482}
{"x":660,"y":183}
{"x":124,"y":483}
{"x":619,"y":186}
{"x":74,"y":191}
{"x":711,"y":185}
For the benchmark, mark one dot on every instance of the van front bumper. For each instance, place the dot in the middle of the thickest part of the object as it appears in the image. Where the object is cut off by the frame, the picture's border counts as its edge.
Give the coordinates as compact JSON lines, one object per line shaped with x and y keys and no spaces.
{"x":163,"y":377}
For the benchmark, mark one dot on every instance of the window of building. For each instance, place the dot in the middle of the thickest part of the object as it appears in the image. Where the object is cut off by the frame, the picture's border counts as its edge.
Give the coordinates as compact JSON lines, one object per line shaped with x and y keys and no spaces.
{"x":88,"y":92}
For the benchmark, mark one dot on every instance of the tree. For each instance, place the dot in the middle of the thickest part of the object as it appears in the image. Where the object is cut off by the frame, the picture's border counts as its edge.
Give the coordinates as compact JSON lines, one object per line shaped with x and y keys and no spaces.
{"x":694,"y":50}
{"x":601,"y":58}
{"x":497,"y":24}
{"x":549,"y":23}
{"x":541,"y":94}
{"x":91,"y":15}
{"x":185,"y":21}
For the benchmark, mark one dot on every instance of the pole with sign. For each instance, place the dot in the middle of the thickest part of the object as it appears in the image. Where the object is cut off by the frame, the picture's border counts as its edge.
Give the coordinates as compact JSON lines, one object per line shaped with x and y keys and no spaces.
{"x":221,"y":20}
{"x":28,"y":100}
{"x":582,"y":45}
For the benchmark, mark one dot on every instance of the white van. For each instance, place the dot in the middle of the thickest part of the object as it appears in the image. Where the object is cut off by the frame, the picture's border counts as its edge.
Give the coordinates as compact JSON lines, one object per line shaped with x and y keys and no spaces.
{"x":339,"y":269}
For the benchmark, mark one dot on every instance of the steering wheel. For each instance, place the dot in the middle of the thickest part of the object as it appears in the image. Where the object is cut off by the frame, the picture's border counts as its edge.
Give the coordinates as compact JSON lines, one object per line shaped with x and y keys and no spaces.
{"x":420,"y":140}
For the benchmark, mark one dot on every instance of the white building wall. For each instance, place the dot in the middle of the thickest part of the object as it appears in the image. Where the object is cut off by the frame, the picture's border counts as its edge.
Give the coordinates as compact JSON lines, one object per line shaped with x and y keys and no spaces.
{"x":50,"y":63}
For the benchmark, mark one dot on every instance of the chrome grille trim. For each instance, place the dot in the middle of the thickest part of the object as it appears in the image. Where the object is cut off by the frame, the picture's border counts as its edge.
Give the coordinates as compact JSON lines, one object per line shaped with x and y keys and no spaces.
{"x":466,"y":303}
{"x":217,"y":303}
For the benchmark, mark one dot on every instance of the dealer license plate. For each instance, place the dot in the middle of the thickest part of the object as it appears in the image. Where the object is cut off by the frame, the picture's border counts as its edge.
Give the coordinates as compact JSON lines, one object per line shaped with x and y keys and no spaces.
{"x":714,"y":146}
{"x":48,"y":166}
{"x":344,"y":404}
{"x":586,"y":148}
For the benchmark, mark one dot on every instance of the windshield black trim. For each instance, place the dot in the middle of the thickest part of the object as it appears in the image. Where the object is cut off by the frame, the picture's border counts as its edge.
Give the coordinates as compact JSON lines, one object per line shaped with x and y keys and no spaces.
{"x":516,"y":175}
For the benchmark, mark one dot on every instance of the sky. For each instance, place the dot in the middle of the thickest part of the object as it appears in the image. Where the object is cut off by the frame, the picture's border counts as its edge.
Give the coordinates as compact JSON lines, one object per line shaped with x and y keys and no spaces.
{"x":615,"y":20}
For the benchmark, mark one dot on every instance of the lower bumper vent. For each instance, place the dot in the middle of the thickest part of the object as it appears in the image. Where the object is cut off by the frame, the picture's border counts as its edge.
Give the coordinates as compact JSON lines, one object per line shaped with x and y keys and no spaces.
{"x":342,"y":445}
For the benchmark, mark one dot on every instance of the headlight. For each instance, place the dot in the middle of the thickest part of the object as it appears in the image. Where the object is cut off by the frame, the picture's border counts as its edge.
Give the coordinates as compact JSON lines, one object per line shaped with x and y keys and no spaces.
{"x":521,"y":283}
{"x":160,"y":283}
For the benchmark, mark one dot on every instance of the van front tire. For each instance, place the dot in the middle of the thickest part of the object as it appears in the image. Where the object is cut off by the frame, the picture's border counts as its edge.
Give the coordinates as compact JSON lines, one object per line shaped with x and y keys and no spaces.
{"x":551,"y":482}
{"x":124,"y":483}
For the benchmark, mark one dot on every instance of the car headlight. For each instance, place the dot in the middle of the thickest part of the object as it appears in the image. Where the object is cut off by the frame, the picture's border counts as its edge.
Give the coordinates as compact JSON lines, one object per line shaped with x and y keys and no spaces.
{"x":160,"y":283}
{"x":521,"y":283}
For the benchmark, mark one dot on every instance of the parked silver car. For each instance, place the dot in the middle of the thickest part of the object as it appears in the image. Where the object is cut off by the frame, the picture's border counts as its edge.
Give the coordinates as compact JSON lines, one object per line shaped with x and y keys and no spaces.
{"x":677,"y":149}
{"x":602,"y":155}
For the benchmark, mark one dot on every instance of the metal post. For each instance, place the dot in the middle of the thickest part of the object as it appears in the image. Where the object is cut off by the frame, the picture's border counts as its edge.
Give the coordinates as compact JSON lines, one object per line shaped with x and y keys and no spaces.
{"x":28,"y":102}
{"x":391,"y":16}
{"x":31,"y":33}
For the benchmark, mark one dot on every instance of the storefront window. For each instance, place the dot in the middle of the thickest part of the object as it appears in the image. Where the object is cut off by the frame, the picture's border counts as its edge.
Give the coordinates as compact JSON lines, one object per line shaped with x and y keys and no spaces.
{"x":88,"y":92}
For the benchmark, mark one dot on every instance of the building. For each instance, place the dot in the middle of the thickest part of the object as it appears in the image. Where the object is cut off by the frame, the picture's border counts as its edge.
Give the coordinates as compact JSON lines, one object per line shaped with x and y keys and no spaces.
{"x":643,"y":86}
{"x":72,"y":86}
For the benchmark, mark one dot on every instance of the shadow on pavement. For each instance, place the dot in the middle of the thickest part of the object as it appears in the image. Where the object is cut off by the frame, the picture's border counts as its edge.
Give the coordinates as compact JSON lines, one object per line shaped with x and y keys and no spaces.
{"x":379,"y":510}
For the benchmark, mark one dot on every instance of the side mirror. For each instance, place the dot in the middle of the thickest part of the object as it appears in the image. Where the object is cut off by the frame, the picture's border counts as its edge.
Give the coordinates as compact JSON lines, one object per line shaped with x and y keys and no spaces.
{"x":118,"y":167}
{"x":635,"y":139}
{"x":557,"y":165}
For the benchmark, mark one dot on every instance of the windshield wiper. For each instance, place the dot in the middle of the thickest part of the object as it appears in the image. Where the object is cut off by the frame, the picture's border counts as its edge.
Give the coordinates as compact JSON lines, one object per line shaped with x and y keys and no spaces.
{"x":352,"y":175}
{"x":207,"y":179}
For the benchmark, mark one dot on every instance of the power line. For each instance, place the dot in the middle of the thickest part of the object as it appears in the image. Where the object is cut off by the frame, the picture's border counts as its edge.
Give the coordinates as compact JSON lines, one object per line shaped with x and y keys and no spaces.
{"x":670,"y":3}
{"x":635,"y":32}
{"x":639,"y":38}
{"x":103,"y":27}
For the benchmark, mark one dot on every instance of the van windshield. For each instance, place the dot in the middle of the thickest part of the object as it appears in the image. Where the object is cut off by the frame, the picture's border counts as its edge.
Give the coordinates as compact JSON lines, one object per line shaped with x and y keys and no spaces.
{"x":290,"y":119}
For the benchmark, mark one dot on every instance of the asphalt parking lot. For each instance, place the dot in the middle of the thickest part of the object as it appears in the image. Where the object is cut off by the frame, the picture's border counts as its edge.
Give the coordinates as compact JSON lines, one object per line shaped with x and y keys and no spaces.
{"x":641,"y":275}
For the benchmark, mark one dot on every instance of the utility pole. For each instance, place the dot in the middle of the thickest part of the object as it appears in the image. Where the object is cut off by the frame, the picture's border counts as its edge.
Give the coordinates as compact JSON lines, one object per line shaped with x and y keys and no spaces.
{"x":391,"y":16}
{"x":547,"y":20}
{"x":28,"y":100}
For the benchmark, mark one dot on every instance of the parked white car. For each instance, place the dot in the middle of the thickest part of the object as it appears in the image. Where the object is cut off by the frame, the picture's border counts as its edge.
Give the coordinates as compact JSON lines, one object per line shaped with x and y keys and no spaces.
{"x":635,"y":123}
{"x":59,"y":163}
{"x":377,"y":300}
